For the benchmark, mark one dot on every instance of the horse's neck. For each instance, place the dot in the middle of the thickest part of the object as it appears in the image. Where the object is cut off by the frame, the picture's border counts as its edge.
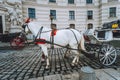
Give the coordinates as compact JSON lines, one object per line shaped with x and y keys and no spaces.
{"x":46,"y":29}
{"x":36,"y":30}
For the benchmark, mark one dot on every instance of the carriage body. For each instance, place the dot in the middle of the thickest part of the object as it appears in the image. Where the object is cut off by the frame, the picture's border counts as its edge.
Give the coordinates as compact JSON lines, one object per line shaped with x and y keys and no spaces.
{"x":112,"y":36}
{"x":104,"y":43}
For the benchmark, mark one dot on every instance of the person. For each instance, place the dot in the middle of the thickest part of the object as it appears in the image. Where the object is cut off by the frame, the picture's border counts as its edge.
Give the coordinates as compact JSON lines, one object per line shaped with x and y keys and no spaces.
{"x":53,"y":27}
{"x":53,"y":33}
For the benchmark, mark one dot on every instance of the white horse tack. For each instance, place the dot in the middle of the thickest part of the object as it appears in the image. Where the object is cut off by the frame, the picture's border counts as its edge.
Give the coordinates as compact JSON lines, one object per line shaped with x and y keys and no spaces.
{"x":62,"y":37}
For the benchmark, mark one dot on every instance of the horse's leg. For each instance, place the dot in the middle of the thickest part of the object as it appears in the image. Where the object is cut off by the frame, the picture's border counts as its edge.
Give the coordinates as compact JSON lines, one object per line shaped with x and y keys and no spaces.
{"x":76,"y":58}
{"x":66,"y":54}
{"x":43,"y":57}
{"x":44,"y":49}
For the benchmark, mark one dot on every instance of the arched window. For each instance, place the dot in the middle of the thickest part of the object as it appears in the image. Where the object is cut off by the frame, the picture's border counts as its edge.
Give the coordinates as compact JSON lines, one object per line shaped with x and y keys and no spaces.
{"x":72,"y":26}
{"x":90,"y":26}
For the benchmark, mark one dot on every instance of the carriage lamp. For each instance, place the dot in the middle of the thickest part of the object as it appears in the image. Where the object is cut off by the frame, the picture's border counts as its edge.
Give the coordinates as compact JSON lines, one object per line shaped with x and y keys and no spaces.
{"x":114,"y":26}
{"x":51,"y":17}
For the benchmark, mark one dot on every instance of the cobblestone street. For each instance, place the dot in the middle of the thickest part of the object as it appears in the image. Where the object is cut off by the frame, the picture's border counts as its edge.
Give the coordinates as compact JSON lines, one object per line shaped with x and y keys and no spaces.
{"x":18,"y":64}
{"x":25,"y":64}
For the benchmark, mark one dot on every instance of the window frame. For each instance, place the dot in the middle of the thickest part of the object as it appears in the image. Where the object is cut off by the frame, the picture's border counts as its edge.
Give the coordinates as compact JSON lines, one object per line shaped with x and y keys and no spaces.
{"x":112,"y":11}
{"x":89,"y":1}
{"x":53,"y":14}
{"x":71,"y":2}
{"x":90,"y":26}
{"x":116,"y":33}
{"x":32,"y":13}
{"x":71,"y":15}
{"x":52,"y":1}
{"x":89,"y":15}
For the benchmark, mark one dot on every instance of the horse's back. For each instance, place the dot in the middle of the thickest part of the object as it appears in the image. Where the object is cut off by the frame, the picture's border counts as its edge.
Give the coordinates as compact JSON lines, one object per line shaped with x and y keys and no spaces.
{"x":67,"y":36}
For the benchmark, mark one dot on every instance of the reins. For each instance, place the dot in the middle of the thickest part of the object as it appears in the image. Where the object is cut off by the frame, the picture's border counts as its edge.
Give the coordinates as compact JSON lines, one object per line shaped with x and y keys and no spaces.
{"x":39,"y":33}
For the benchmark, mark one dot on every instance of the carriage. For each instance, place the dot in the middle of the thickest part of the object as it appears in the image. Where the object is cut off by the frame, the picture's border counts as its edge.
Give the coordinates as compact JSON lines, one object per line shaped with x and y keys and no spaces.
{"x":104,"y":42}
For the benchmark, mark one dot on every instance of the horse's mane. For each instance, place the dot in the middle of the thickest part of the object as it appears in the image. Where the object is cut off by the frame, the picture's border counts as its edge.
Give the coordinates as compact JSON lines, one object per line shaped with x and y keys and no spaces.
{"x":35,"y":26}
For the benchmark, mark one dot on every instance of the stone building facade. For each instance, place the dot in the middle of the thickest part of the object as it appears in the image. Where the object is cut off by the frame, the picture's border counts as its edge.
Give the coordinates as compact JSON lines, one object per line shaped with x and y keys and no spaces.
{"x":81,"y":14}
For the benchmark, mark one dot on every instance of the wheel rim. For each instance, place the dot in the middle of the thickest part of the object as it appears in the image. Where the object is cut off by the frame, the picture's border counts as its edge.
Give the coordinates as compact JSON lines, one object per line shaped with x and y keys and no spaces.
{"x":108,"y":55}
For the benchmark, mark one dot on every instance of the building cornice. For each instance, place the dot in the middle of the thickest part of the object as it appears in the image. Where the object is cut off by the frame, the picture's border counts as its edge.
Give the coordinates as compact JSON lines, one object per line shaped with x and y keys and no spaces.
{"x":55,"y":5}
{"x":110,"y":3}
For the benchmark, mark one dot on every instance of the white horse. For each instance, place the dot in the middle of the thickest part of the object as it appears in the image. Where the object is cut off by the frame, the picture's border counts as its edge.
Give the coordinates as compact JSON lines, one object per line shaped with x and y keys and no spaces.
{"x":63,"y":37}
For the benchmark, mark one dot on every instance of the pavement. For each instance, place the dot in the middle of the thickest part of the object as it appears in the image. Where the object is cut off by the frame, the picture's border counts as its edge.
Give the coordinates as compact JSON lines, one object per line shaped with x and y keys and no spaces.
{"x":17,"y":64}
{"x":3,"y":44}
{"x":26,"y":63}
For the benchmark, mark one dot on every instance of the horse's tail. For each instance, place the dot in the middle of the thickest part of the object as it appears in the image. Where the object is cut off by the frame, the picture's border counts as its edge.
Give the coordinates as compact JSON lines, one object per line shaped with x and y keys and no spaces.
{"x":82,"y":44}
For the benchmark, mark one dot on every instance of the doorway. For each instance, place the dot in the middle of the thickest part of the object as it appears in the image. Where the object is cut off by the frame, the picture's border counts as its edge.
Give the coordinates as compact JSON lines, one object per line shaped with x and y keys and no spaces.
{"x":1,"y":25}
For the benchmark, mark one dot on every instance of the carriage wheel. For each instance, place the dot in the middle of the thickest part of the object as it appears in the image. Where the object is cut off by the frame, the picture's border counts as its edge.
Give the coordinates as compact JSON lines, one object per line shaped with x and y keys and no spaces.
{"x":17,"y":43}
{"x":107,"y":55}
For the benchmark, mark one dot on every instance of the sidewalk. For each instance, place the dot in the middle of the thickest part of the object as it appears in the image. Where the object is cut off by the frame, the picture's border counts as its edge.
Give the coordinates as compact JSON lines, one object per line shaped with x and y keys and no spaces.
{"x":4,"y":45}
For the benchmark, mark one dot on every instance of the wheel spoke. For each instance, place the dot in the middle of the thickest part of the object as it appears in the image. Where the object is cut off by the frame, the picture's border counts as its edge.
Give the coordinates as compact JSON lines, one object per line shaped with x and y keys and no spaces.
{"x":107,"y":61}
{"x":104,"y":60}
{"x":110,"y":57}
{"x":112,"y":51}
{"x":110,"y":48}
{"x":104,"y":49}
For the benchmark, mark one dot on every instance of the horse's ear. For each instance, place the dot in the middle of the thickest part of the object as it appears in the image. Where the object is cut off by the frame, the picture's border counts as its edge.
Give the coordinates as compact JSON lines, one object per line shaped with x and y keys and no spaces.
{"x":27,"y":20}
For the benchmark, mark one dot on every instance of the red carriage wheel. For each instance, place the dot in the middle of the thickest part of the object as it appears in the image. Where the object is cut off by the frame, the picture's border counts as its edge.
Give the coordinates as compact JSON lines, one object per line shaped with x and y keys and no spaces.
{"x":17,"y":43}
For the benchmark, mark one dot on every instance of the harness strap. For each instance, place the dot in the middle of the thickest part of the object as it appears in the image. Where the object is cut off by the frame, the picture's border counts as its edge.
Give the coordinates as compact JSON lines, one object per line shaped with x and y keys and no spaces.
{"x":38,"y":34}
{"x":75,"y":36}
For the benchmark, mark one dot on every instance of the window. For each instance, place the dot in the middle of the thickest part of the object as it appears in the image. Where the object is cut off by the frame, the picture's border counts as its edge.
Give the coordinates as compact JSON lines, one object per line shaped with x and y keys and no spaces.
{"x":53,"y":13}
{"x":90,"y":14}
{"x":116,"y":33}
{"x":31,"y":12}
{"x":90,"y":26}
{"x":72,"y":26}
{"x":53,"y":26}
{"x":89,"y":1}
{"x":112,"y":12}
{"x":71,"y":15}
{"x":54,"y":1}
{"x":101,"y":34}
{"x":70,"y":1}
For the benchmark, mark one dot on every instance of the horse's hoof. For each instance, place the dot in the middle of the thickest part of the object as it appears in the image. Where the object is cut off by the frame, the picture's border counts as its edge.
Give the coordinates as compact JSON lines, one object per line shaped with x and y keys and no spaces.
{"x":72,"y":64}
{"x":47,"y":67}
{"x":76,"y":63}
